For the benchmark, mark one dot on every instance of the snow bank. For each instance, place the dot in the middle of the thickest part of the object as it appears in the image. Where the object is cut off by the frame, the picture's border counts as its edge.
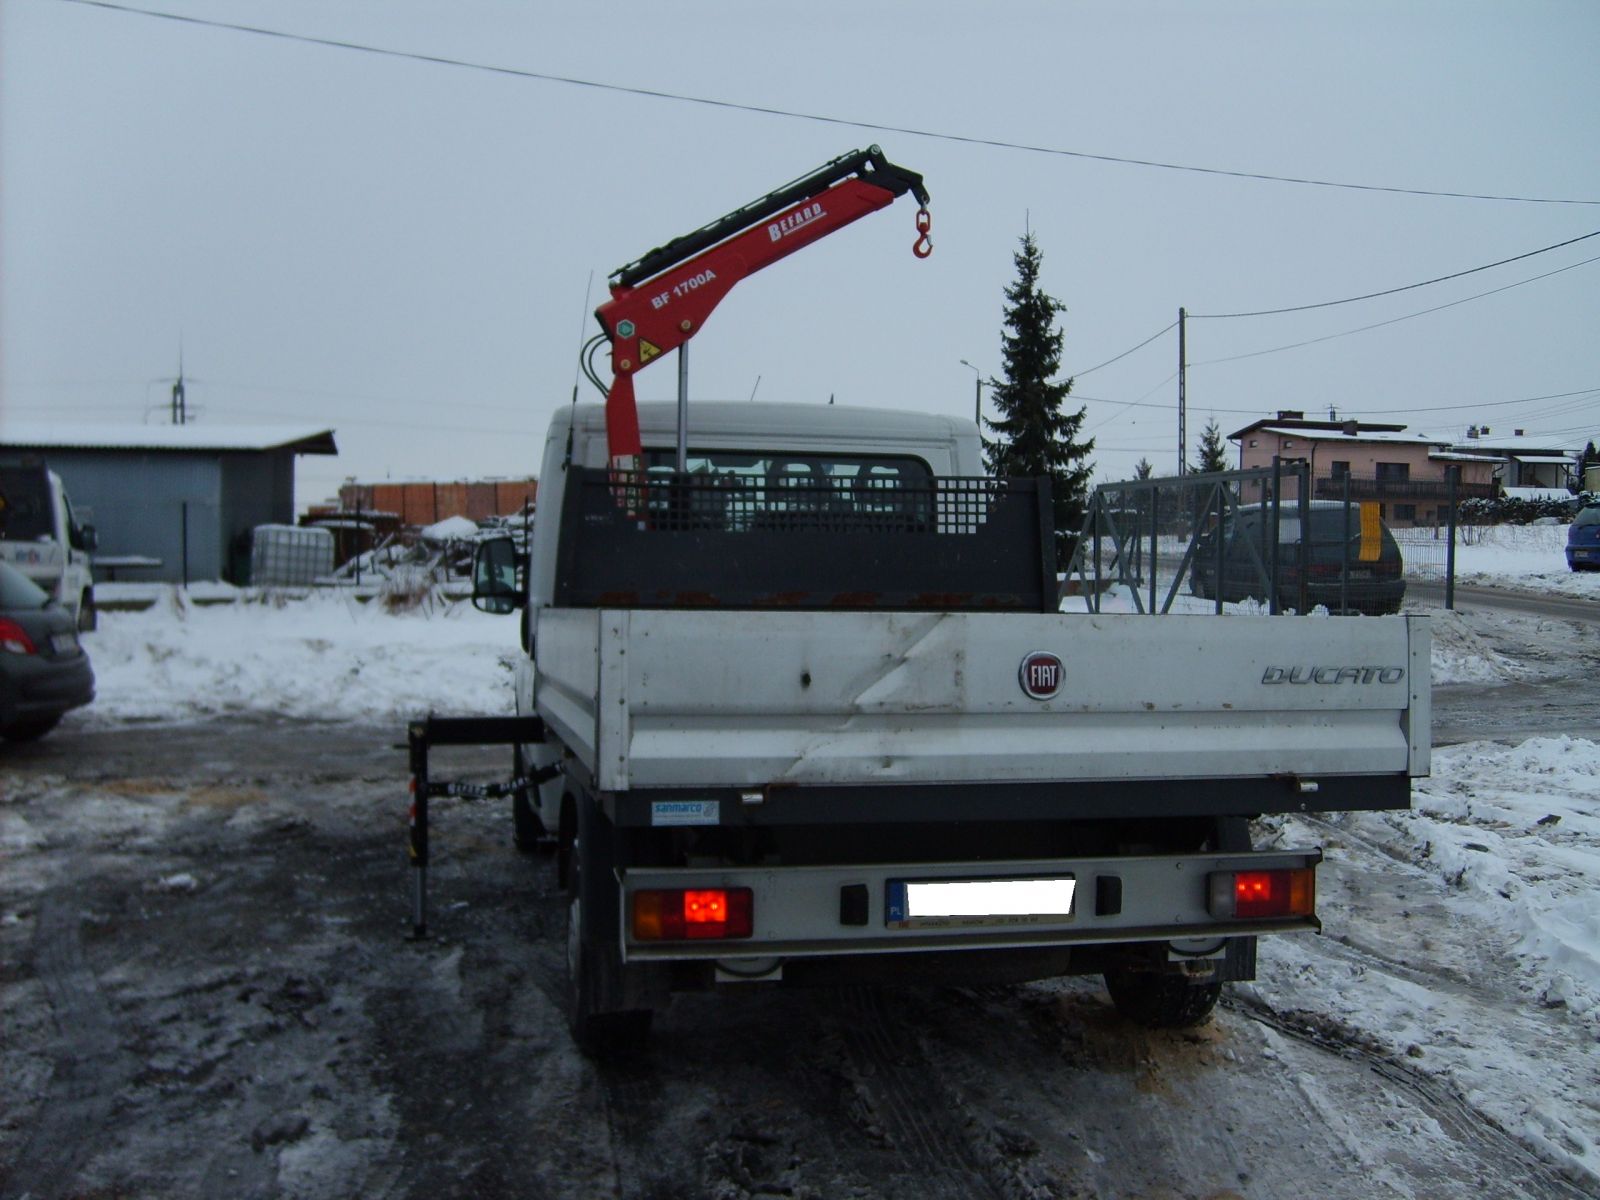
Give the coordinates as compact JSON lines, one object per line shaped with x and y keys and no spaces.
{"x":1463,"y":937}
{"x":326,"y":656}
{"x":1531,"y":558}
{"x":1518,"y":828}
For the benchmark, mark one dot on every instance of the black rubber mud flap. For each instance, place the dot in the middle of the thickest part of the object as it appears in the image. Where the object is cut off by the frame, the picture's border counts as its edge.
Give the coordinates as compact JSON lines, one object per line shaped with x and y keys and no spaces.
{"x":597,"y":1013}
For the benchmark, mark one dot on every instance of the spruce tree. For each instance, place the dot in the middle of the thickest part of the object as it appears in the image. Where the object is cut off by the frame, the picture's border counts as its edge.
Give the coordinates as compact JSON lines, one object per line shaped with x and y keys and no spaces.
{"x":1213,"y":454}
{"x":1589,"y":458}
{"x":1143,"y":469}
{"x":1034,"y":436}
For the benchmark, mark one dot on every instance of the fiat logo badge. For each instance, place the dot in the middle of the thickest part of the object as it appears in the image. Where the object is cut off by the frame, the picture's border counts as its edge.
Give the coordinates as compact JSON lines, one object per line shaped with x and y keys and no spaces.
{"x":1041,"y":675}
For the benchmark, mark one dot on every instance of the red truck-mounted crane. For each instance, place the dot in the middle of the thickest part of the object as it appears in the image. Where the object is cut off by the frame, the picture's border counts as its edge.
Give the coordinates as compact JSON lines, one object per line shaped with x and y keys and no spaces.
{"x":660,"y":301}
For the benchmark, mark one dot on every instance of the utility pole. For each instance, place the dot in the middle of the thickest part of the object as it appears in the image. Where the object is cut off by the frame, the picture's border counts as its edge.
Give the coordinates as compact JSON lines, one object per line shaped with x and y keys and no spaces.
{"x":977,"y":394}
{"x":180,"y":415}
{"x":1183,"y":399}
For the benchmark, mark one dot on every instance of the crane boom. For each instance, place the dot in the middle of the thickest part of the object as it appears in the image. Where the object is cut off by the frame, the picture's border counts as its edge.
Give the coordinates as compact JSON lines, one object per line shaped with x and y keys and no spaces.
{"x":661,"y":300}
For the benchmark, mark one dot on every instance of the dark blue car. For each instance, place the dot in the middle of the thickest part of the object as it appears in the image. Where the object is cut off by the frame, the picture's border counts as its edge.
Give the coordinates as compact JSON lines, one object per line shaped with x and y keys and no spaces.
{"x":1583,"y":540}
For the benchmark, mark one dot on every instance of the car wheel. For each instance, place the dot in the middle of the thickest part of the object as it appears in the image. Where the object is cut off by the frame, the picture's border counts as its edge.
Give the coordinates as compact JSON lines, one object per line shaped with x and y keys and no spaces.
{"x":88,"y":618}
{"x":1161,"y":1001}
{"x":29,"y":730}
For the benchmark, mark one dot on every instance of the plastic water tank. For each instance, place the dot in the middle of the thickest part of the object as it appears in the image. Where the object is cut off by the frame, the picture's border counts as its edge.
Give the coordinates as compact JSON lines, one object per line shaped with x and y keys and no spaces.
{"x":289,"y":555}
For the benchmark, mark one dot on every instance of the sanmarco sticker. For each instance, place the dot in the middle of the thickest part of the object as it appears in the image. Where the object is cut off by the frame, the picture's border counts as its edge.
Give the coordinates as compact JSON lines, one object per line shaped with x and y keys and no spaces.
{"x":685,"y":812}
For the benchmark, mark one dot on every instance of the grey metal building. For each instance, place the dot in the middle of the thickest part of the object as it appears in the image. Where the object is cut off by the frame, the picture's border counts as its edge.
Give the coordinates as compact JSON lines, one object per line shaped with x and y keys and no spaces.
{"x":187,"y":495}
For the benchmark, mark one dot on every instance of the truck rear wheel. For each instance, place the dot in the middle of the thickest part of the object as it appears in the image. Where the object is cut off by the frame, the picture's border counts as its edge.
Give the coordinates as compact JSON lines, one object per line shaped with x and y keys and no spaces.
{"x":602,"y":1029}
{"x":1161,"y":1001}
{"x":87,"y":618}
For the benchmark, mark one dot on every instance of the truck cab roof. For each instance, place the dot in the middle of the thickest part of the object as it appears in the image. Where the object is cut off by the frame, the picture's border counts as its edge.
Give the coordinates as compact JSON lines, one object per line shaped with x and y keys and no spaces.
{"x":949,"y":445}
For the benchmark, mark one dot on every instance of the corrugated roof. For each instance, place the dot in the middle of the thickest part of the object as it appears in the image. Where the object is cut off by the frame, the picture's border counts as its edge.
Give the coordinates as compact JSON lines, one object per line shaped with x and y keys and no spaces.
{"x":43,"y":435}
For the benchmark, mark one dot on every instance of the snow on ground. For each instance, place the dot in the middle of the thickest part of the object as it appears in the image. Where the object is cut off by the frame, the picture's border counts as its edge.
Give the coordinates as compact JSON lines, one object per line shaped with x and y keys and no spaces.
{"x":326,"y":656}
{"x":1464,"y":935}
{"x":1530,"y":557}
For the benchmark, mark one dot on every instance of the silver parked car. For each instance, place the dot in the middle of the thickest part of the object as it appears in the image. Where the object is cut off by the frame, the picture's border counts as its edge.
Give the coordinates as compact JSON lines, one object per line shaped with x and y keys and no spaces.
{"x":44,"y":671}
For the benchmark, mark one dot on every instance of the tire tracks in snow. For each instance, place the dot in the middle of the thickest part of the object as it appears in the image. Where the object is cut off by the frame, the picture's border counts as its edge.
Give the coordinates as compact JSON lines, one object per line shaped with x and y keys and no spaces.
{"x":1453,"y":1112}
{"x":911,"y":1104}
{"x":90,"y":1066}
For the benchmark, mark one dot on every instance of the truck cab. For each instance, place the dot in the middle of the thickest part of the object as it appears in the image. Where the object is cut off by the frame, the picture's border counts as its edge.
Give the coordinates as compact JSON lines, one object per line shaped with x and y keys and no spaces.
{"x":42,"y":537}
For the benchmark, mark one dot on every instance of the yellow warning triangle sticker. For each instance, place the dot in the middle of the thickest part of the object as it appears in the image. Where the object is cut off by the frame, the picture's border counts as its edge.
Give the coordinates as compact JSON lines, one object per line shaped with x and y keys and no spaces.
{"x":647,"y":351}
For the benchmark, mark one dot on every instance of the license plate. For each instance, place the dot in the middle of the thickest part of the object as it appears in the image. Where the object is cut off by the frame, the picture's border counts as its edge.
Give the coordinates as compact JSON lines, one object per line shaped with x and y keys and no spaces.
{"x":944,"y":903}
{"x":1583,"y":554}
{"x":64,"y":643}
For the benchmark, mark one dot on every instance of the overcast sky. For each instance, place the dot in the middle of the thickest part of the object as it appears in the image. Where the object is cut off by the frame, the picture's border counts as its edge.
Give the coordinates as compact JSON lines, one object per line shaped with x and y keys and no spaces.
{"x":409,"y":252}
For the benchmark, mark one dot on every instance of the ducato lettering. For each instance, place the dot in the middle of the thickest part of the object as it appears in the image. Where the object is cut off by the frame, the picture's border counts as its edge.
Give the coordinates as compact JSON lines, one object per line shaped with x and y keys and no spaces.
{"x":1333,"y":675}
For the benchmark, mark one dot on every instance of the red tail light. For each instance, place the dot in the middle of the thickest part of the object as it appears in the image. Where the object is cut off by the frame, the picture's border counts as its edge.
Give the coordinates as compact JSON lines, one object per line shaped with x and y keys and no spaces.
{"x":683,"y":914}
{"x":1250,"y":895}
{"x":14,"y":639}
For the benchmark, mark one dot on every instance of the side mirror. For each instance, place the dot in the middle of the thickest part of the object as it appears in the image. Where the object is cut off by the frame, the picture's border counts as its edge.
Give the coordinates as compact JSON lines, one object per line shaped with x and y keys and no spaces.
{"x":87,"y":538}
{"x":494,"y":576}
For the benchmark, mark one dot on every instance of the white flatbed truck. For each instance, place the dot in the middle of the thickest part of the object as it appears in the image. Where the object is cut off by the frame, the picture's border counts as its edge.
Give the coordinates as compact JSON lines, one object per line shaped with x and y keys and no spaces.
{"x":807,"y":712}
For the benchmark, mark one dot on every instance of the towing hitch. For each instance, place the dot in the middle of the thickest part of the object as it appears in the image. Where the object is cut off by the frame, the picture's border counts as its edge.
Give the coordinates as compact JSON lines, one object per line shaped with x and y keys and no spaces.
{"x":433,"y":731}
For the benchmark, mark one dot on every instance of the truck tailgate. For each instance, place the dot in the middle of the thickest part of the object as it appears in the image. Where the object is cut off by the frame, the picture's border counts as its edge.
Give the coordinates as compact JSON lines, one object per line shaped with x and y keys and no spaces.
{"x":698,"y":699}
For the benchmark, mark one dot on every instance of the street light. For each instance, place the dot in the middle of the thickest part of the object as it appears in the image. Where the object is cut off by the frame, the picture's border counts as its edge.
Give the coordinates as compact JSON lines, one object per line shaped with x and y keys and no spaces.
{"x":977,"y":393}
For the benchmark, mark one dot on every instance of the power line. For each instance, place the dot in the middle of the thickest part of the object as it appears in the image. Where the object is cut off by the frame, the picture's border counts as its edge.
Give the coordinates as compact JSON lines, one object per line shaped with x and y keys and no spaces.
{"x":1125,"y":353}
{"x":792,"y":114}
{"x":1143,"y":402}
{"x":1474,"y":404}
{"x":1211,"y":362}
{"x":1272,"y":312}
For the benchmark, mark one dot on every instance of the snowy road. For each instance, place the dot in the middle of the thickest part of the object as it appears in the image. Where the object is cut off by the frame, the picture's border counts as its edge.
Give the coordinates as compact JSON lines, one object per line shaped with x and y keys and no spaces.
{"x":1467,"y":596}
{"x":209,"y":993}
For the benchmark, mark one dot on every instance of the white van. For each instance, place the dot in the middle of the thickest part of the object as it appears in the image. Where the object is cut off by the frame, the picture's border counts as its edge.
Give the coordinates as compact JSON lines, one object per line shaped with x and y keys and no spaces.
{"x":41,"y":538}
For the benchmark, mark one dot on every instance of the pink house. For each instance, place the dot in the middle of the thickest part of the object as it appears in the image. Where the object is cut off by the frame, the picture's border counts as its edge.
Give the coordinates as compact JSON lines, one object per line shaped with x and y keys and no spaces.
{"x":1404,"y":472}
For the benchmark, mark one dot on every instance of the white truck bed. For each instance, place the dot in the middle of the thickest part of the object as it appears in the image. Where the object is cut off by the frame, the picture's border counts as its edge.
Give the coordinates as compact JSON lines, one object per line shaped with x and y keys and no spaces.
{"x":704,"y":699}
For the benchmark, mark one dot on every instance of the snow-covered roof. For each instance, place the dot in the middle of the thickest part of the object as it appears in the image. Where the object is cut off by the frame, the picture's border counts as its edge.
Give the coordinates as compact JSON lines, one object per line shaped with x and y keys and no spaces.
{"x":1333,"y":435}
{"x":1458,"y":456}
{"x":65,"y":435}
{"x":1543,"y":458}
{"x":1514,"y":445}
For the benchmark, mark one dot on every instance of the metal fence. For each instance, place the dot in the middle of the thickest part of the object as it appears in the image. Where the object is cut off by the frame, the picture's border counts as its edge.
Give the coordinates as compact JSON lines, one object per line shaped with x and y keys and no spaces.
{"x":1194,"y":542}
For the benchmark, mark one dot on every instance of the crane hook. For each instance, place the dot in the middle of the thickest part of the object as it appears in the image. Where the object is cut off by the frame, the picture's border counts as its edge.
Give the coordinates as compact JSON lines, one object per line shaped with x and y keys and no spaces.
{"x":923,"y":246}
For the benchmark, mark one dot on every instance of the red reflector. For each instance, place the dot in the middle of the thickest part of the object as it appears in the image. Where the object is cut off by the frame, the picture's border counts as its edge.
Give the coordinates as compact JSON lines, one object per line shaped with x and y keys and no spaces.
{"x":14,"y":639}
{"x":1291,"y":893}
{"x":673,"y":914}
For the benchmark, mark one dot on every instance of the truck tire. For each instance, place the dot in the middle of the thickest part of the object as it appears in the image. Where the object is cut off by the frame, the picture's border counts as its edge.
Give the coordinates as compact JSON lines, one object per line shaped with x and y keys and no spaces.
{"x":1161,"y":1001}
{"x":600,"y":1026}
{"x":528,"y":831}
{"x":88,"y":619}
